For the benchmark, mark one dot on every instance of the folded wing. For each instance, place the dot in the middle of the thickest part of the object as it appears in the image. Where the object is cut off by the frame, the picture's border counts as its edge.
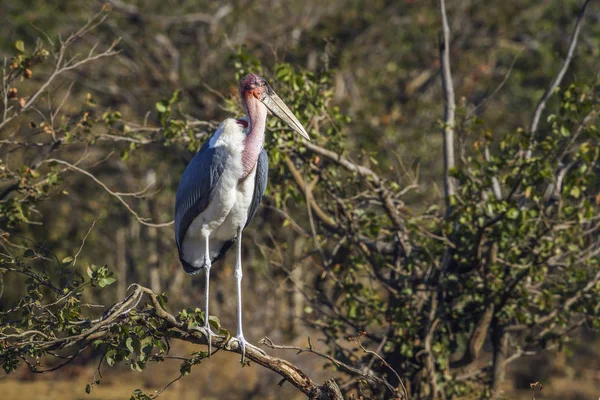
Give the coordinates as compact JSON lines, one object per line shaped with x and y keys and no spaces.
{"x":196,"y":190}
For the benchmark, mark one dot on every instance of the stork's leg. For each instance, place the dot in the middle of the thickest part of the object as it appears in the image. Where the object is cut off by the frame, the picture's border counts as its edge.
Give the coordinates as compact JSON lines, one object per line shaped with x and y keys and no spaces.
{"x":238,"y":275}
{"x":207,"y":265}
{"x":205,"y":330}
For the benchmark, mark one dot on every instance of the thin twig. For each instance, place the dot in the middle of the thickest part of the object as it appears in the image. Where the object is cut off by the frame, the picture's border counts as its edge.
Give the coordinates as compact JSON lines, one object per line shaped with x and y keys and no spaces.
{"x":498,"y":88}
{"x":385,"y":363}
{"x":114,"y":194}
{"x":341,"y":365}
{"x":84,"y":239}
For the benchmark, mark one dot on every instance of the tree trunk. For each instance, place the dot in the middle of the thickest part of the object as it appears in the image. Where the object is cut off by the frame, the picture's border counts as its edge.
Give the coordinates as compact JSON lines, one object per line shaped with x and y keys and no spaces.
{"x":500,"y":344}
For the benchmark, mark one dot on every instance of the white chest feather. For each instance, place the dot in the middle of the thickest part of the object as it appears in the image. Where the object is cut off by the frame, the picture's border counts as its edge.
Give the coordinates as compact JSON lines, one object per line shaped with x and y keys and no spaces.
{"x":228,"y":209}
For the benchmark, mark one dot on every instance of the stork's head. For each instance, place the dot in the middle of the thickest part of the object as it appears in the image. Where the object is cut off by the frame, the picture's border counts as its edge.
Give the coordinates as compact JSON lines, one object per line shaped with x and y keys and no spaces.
{"x":253,"y":87}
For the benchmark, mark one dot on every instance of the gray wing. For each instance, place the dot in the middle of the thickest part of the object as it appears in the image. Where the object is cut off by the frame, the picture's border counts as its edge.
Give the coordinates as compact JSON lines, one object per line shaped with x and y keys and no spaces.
{"x":262,"y":174}
{"x":196,"y":188}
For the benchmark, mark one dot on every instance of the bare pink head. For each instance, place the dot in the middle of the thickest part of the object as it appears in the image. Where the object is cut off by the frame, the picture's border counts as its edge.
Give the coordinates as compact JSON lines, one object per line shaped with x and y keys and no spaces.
{"x":254,"y":87}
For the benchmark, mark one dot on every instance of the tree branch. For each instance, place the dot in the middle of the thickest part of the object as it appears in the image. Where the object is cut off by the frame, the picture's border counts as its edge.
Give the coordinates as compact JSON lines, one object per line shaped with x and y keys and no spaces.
{"x":175,"y":328}
{"x":390,"y":208}
{"x":500,"y":345}
{"x":63,"y":65}
{"x":342,"y":366}
{"x":118,"y":196}
{"x":449,"y":107}
{"x":557,"y":80}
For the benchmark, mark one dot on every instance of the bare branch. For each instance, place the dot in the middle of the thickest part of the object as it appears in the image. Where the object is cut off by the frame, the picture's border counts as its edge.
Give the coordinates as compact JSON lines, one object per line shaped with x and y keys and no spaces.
{"x":323,"y":216}
{"x":382,"y":360}
{"x":118,"y":196}
{"x":449,"y":107}
{"x":63,"y":65}
{"x":498,"y":88}
{"x":557,"y":80}
{"x":342,"y":366}
{"x":84,"y":239}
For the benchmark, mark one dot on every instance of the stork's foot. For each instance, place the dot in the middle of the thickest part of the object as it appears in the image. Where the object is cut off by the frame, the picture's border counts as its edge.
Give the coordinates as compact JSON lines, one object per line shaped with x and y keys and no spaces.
{"x":202,"y":330}
{"x":205,"y":330}
{"x":209,"y":338}
{"x":243,"y":344}
{"x":208,"y":333}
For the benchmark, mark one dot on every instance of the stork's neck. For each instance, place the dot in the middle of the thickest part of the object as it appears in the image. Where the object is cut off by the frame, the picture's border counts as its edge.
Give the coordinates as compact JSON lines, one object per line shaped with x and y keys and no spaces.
{"x":255,"y":138}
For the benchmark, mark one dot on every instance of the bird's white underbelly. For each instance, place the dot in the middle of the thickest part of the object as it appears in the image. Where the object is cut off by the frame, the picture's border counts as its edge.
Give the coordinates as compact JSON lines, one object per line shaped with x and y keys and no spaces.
{"x":226,"y":213}
{"x":240,"y":199}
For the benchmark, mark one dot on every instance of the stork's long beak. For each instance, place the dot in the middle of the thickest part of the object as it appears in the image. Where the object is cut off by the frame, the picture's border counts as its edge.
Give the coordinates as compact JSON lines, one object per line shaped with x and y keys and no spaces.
{"x":278,"y":107}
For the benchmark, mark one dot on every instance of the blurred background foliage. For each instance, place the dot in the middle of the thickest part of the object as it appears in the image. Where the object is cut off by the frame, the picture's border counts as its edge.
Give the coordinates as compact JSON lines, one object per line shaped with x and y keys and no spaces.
{"x":364,"y":76}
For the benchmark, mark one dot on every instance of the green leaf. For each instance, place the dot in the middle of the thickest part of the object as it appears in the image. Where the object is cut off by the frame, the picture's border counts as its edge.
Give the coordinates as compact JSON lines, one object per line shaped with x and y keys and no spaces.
{"x":161,"y":107}
{"x":139,"y":395}
{"x":136,"y":366}
{"x":129,"y":344}
{"x":176,"y":97}
{"x":185,"y":368}
{"x":214,"y":322}
{"x":19,"y":45}
{"x":67,"y":260}
{"x":452,"y":200}
{"x":513,"y":213}
{"x":162,"y":300}
{"x":110,"y":357}
{"x":106,"y":281}
{"x":575,"y":192}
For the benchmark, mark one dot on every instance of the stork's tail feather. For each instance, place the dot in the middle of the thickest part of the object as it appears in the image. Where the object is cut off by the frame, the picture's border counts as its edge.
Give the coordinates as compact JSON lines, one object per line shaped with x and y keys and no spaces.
{"x":189,"y":268}
{"x":198,"y":267}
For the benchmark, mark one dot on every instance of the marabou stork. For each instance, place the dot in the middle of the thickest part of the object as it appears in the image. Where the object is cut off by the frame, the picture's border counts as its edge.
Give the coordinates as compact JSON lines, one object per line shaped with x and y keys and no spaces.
{"x":222,"y":187}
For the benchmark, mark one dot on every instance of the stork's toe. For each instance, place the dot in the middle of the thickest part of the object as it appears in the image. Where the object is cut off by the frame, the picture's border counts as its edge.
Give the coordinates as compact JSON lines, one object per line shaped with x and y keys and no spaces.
{"x":243,"y":344}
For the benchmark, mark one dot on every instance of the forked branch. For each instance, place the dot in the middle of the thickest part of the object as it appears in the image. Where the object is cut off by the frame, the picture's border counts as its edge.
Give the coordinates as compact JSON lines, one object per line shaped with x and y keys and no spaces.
{"x":63,"y":64}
